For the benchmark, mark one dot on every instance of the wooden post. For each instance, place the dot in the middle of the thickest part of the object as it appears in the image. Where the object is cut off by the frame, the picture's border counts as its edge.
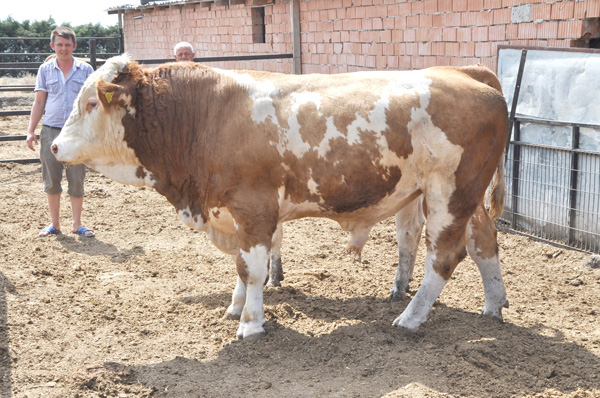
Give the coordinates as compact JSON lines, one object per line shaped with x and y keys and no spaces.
{"x":121,"y":39}
{"x":296,"y":43}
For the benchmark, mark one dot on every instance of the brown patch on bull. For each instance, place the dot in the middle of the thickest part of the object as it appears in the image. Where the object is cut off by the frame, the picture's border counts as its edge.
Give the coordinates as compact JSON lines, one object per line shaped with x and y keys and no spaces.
{"x":140,"y":173}
{"x":312,"y":125}
{"x":484,"y":234}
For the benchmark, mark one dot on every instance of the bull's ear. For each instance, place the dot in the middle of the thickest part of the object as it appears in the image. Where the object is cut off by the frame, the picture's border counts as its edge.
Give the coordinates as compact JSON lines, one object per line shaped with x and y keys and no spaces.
{"x":112,"y":94}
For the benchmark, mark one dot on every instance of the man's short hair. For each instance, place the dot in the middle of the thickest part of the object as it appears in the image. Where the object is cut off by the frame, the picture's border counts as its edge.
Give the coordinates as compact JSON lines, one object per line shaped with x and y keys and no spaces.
{"x":63,"y":32}
{"x":182,"y":44}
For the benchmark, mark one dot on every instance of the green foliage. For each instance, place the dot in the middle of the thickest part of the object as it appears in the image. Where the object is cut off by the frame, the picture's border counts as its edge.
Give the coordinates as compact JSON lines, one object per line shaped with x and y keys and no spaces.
{"x":42,"y":29}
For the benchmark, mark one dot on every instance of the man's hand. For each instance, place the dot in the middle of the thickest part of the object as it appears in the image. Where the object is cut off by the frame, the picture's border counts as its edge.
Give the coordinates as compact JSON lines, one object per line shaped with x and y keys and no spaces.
{"x":31,"y":139}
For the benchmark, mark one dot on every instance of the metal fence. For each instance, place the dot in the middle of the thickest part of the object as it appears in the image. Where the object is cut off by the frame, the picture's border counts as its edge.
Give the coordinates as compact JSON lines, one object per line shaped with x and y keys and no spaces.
{"x":553,"y":178}
{"x":553,"y":193}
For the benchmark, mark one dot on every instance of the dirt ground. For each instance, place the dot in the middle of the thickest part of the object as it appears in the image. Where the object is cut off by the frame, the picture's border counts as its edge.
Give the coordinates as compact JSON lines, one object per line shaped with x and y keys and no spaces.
{"x":136,"y":311}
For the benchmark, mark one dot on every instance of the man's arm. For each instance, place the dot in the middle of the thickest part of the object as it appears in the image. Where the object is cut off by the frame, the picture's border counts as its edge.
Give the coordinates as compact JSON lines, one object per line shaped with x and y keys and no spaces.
{"x":37,"y":110}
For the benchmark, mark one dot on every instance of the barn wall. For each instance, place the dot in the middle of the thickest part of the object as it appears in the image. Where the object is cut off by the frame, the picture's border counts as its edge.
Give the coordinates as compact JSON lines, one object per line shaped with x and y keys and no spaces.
{"x":346,"y":35}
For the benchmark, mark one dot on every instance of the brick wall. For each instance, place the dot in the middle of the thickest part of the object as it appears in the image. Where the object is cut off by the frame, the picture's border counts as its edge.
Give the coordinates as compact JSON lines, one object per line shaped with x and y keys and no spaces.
{"x":348,"y":35}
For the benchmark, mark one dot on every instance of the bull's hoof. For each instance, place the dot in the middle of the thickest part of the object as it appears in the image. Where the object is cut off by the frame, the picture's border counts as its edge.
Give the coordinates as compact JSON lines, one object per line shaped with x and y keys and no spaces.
{"x":397,"y":295}
{"x":408,"y":327}
{"x":273,"y":283}
{"x":494,"y":313}
{"x":250,"y":332}
{"x":229,"y":316}
{"x":253,"y":338}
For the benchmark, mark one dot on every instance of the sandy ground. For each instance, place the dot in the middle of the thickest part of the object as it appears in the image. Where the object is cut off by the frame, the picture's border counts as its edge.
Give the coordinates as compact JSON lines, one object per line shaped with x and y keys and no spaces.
{"x":136,"y":311}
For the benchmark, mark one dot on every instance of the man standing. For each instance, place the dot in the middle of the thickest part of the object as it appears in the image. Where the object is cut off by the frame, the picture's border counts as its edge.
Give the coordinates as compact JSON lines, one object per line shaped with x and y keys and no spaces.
{"x":184,"y":51}
{"x":58,"y":83}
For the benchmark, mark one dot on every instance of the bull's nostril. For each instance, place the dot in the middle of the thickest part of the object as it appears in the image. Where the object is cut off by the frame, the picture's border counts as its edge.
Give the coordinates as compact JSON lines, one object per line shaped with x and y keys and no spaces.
{"x":54,"y":149}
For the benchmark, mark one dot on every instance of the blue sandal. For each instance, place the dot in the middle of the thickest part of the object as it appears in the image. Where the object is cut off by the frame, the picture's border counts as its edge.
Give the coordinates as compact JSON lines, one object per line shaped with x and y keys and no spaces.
{"x":81,"y":231}
{"x":49,"y":230}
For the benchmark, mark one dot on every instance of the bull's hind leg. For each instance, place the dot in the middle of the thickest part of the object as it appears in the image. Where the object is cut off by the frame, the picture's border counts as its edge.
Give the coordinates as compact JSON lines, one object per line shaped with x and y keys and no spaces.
{"x":275,"y":269}
{"x":445,"y":249}
{"x":409,"y":224}
{"x":482,"y":246}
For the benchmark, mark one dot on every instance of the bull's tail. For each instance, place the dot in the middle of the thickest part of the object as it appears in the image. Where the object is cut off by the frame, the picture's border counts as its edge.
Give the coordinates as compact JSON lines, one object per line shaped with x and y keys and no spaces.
{"x":498,"y":191}
{"x":483,"y":75}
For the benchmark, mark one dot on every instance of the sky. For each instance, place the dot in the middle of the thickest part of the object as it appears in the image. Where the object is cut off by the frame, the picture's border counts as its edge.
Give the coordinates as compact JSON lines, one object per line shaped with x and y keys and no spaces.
{"x":76,"y":12}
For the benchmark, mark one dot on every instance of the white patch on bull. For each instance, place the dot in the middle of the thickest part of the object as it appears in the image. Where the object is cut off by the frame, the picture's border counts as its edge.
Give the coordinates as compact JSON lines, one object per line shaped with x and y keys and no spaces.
{"x":217,"y":233}
{"x":261,"y":93}
{"x":312,"y":186}
{"x":289,"y":210}
{"x":125,"y":174}
{"x":253,"y":316}
{"x":417,"y":310}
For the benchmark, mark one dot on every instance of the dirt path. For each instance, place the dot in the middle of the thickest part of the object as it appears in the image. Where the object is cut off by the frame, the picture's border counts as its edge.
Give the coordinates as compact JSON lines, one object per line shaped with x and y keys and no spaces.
{"x":136,"y":312}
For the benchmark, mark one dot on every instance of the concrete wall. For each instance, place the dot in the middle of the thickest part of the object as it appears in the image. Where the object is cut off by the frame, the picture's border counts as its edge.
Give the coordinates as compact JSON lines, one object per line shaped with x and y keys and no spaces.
{"x":347,"y":35}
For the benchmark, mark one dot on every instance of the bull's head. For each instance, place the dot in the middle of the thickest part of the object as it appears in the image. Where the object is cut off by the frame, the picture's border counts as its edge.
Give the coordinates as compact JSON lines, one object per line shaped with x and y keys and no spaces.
{"x":94,"y":134}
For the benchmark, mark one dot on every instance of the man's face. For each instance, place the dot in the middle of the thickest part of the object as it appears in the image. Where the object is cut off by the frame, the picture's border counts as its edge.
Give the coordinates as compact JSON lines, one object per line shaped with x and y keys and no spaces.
{"x":184,"y":54}
{"x":63,"y":48}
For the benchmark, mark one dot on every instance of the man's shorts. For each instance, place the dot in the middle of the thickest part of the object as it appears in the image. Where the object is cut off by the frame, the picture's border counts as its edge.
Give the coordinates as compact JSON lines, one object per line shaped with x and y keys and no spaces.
{"x":52,"y":169}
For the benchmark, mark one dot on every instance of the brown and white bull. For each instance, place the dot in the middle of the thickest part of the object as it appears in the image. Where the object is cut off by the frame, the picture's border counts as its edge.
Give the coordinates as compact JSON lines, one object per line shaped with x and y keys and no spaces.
{"x":239,"y":152}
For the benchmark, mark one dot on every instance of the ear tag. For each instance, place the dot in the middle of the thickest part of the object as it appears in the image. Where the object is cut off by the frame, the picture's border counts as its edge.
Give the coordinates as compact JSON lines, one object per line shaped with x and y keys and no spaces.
{"x":109,"y":96}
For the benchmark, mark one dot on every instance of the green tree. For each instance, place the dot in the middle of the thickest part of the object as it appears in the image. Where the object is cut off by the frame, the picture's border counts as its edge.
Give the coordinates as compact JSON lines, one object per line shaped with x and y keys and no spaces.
{"x":42,"y":29}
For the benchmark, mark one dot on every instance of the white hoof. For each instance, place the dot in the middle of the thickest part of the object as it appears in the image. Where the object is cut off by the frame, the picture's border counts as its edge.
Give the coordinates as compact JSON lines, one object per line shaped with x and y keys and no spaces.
{"x":407,"y":325}
{"x":251,"y":331}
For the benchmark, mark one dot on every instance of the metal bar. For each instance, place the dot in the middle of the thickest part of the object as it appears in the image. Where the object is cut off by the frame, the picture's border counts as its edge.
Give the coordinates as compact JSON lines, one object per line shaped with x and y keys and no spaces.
{"x":574,"y":182}
{"x":515,"y":173}
{"x":15,"y":113}
{"x":515,"y":99}
{"x":530,"y":119}
{"x":556,"y":148}
{"x":47,"y":38}
{"x":22,"y":161}
{"x":15,"y":137}
{"x":9,"y":89}
{"x":221,"y":59}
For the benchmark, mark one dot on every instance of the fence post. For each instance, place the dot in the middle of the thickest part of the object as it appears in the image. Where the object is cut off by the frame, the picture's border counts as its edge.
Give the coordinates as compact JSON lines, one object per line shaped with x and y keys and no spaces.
{"x":515,"y":173}
{"x":93,"y":53}
{"x":573,"y":182}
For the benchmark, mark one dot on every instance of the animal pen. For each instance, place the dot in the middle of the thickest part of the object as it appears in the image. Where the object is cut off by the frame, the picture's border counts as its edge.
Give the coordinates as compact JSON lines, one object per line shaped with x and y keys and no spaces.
{"x":553,"y":157}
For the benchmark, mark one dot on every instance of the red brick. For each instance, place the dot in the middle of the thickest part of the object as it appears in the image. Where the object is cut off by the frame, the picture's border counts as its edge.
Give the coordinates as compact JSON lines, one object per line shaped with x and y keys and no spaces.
{"x":444,"y":6}
{"x":412,"y":21}
{"x":512,"y":32}
{"x":587,"y":9}
{"x":400,"y":23}
{"x":540,"y":11}
{"x":425,"y":20}
{"x":449,"y":34}
{"x":416,"y":7}
{"x":483,"y":49}
{"x":438,"y":48}
{"x":424,"y":49}
{"x":491,"y":4}
{"x":527,"y":31}
{"x":397,"y":36}
{"x":475,"y":5}
{"x":547,"y":30}
{"x":501,"y":16}
{"x":452,"y":49}
{"x":459,"y":5}
{"x":404,"y":8}
{"x":388,"y":23}
{"x":442,"y":61}
{"x":467,"y":49}
{"x":570,"y":29}
{"x":463,"y":34}
{"x":430,"y":6}
{"x":497,"y":32}
{"x":422,"y":35}
{"x":480,"y":34}
{"x":410,"y":35}
{"x":563,"y":10}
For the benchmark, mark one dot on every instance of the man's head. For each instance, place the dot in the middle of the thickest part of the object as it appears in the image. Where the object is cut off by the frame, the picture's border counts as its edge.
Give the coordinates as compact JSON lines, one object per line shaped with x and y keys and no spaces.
{"x":63,"y":42}
{"x":184,"y":51}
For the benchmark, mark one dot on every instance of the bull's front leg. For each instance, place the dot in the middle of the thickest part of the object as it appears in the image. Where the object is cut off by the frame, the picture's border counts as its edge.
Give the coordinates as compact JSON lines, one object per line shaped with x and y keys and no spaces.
{"x":252,"y":267}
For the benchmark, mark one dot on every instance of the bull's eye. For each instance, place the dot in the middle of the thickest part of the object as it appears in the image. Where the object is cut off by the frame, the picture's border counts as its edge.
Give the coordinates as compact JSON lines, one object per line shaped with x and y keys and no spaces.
{"x":91,"y":105}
